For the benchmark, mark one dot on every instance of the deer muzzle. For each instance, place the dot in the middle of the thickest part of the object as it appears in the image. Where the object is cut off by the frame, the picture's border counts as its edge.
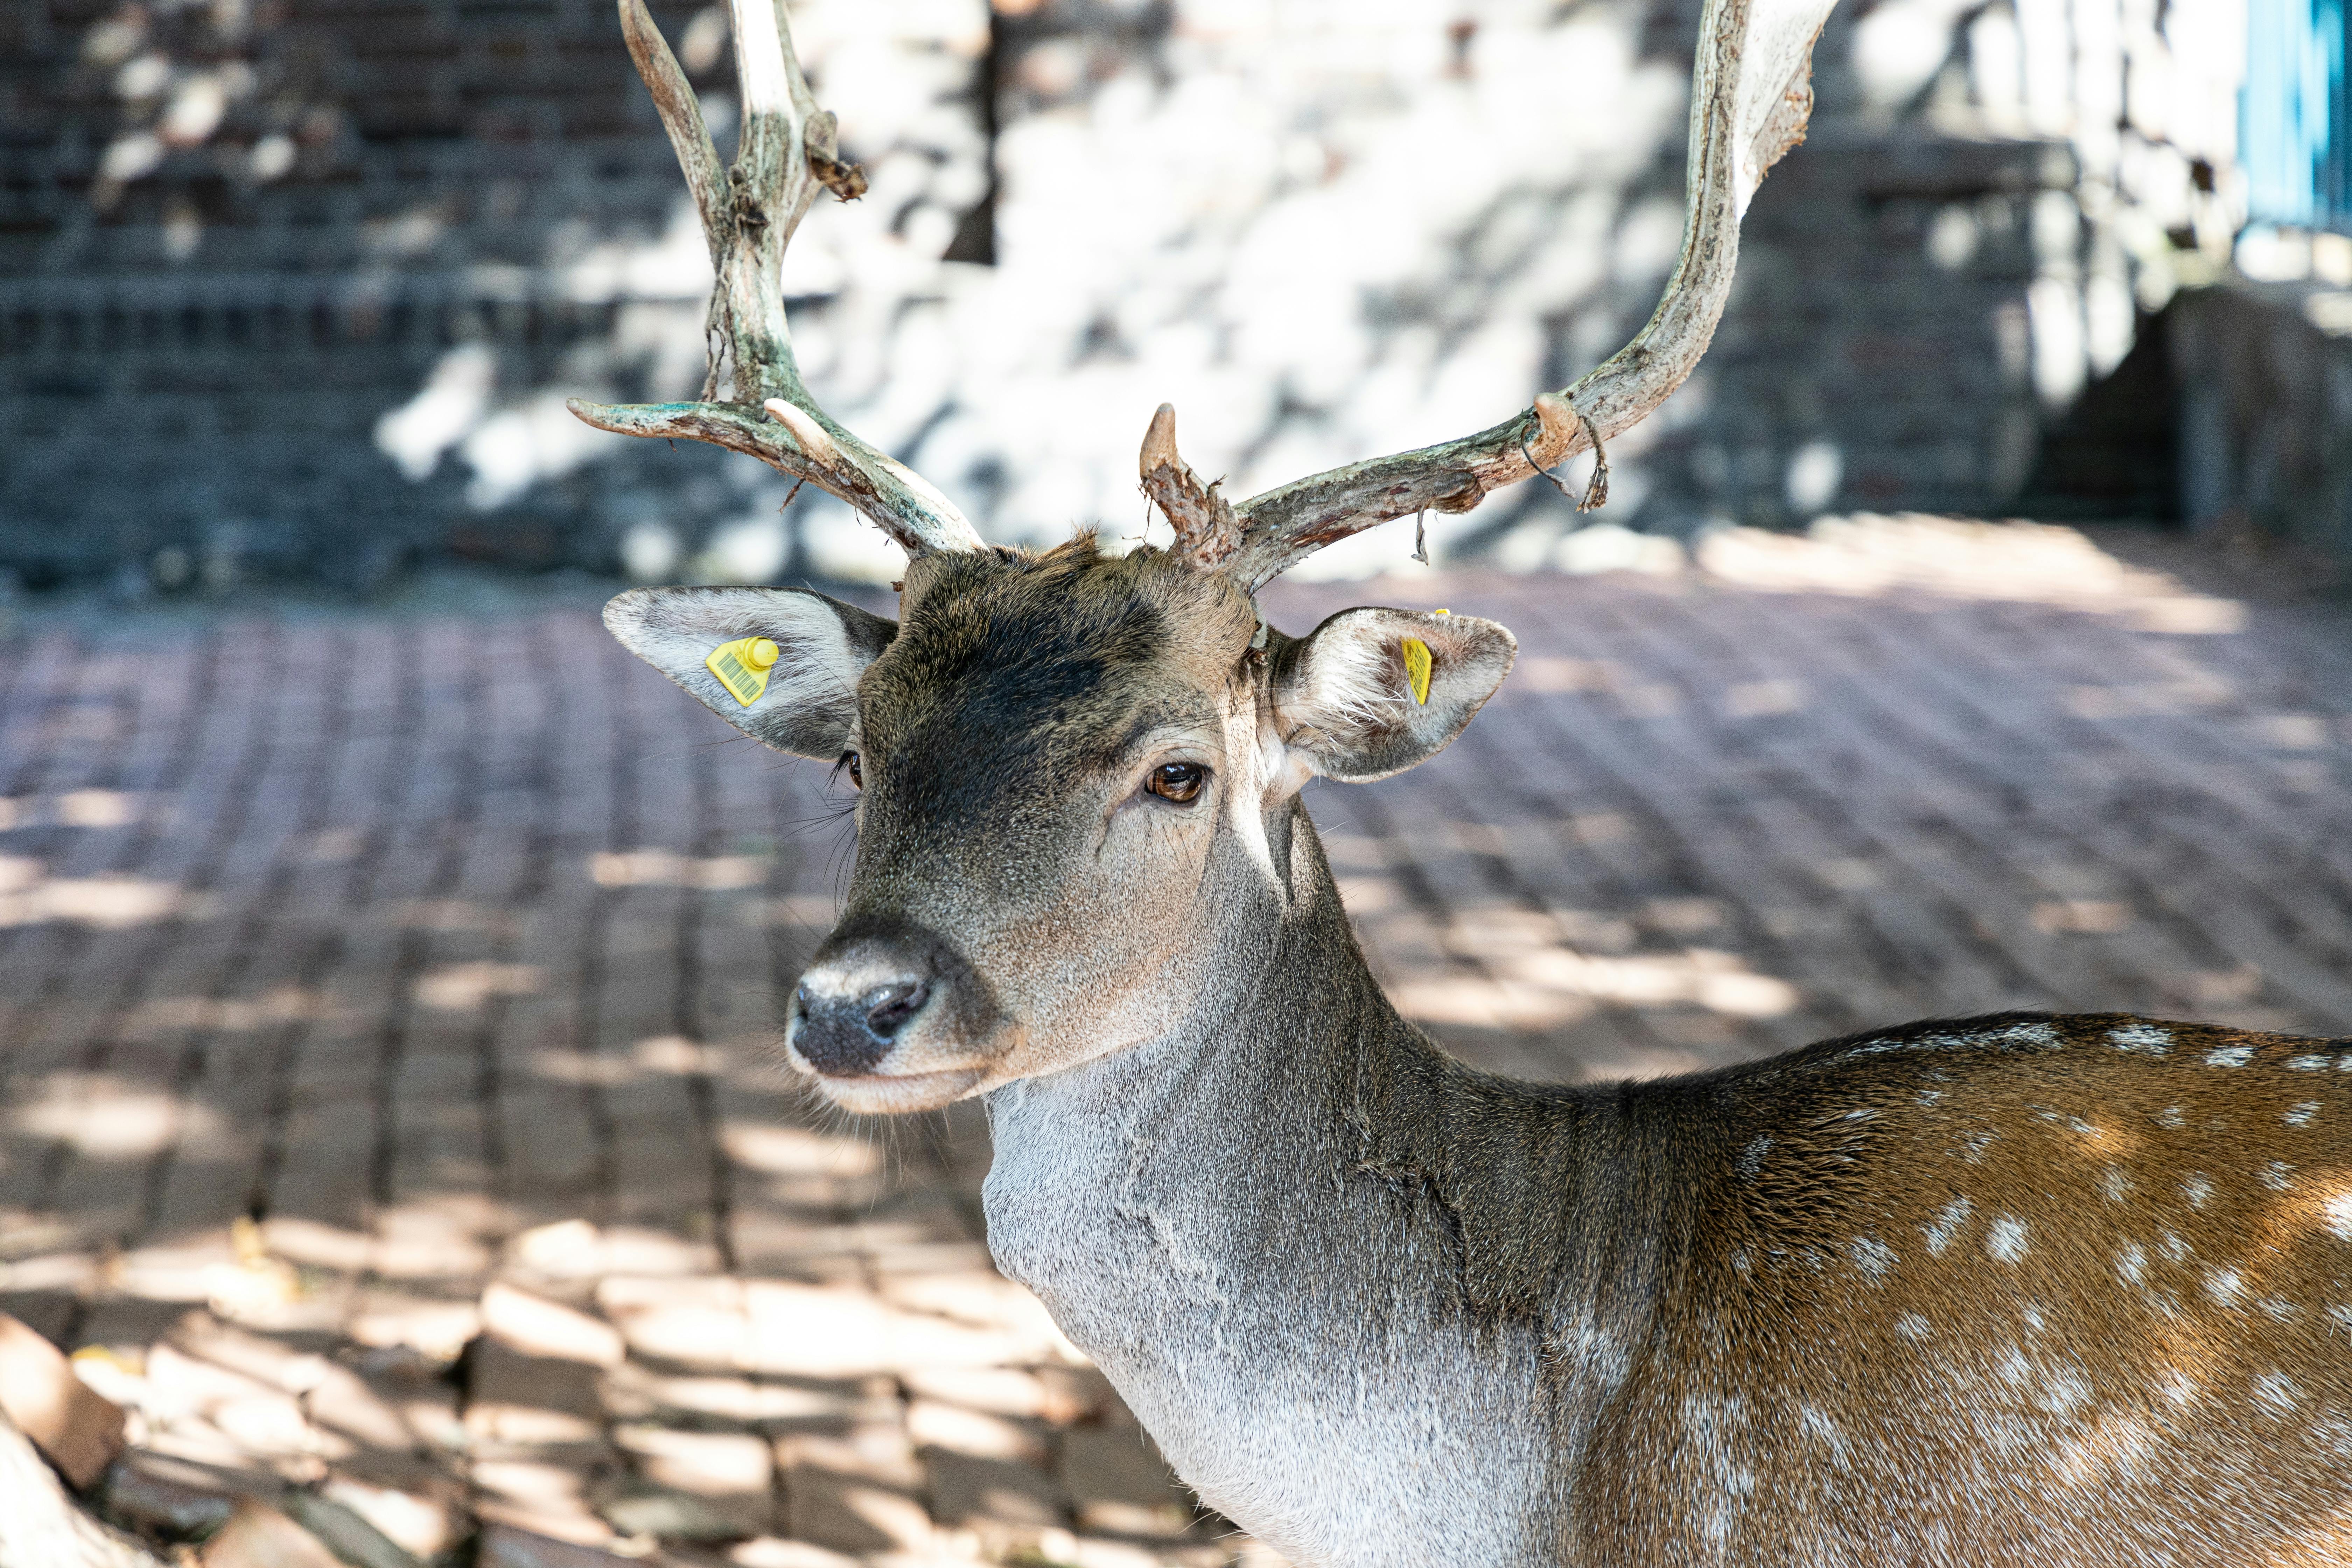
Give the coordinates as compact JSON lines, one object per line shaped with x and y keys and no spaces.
{"x":887,"y":1001}
{"x":851,"y":1032}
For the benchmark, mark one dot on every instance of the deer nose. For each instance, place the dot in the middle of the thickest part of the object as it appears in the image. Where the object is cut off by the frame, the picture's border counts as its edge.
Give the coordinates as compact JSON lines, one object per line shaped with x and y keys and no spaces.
{"x":888,"y":1008}
{"x":840,"y":1033}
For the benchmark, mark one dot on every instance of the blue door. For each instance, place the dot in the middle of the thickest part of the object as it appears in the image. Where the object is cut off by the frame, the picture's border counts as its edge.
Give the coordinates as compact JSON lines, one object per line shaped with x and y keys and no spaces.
{"x":2295,"y":118}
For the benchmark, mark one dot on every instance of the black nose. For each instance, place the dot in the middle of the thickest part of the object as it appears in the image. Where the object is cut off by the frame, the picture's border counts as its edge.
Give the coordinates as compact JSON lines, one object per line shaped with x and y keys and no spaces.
{"x":839,"y":1034}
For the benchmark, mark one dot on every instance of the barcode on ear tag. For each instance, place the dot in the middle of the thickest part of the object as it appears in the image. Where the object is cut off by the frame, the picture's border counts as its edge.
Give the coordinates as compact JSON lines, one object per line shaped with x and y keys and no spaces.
{"x":742,"y":667}
{"x":1416,"y":669}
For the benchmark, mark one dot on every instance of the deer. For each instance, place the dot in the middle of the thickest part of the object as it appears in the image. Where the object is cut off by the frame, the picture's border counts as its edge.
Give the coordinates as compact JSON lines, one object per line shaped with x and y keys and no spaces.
{"x":2014,"y":1289}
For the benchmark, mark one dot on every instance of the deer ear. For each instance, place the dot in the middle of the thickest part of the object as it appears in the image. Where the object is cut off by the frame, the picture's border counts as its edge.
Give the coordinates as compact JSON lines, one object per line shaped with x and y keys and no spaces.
{"x":1370,"y":692}
{"x":809,"y":699}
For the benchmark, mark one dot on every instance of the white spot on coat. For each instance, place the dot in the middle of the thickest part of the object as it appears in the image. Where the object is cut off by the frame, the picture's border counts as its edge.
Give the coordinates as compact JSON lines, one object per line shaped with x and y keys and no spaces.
{"x":2114,"y":1445}
{"x":2300,"y":1113}
{"x":2278,"y":1175}
{"x":1751,"y":1159}
{"x":2276,"y":1391}
{"x":2170,"y":1116}
{"x":2006,"y":1240}
{"x":2115,"y":1184}
{"x":2178,"y":1386}
{"x":1816,"y":1424}
{"x":2146,"y":1038}
{"x":2307,"y":1064}
{"x":2198,"y":1189}
{"x":2174,"y":1249}
{"x":2131,"y":1263}
{"x":1912,"y":1326}
{"x":2338,"y":1210}
{"x":1717,"y":1432}
{"x":2064,"y":1393}
{"x":1948,"y":1223}
{"x":1873,"y":1257}
{"x":2278,"y":1312}
{"x":2230,"y":1057}
{"x":2224,"y":1286}
{"x":2341,"y":1318}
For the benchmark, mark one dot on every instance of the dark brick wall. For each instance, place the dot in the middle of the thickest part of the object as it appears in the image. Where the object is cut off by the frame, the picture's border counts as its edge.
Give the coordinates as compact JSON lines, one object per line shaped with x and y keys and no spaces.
{"x":198,"y":357}
{"x":1844,"y":330}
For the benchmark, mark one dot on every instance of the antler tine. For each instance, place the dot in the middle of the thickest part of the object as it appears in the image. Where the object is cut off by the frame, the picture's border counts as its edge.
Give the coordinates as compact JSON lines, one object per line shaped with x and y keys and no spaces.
{"x":1206,"y":532}
{"x":1750,"y":95}
{"x":748,"y":213}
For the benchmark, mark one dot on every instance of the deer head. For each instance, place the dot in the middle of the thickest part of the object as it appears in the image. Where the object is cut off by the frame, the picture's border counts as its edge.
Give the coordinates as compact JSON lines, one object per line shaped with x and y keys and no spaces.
{"x":1079,"y":773}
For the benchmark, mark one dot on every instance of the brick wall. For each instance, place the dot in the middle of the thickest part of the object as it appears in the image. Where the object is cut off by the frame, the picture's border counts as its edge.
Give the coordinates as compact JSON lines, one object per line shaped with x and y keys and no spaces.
{"x":298,"y":287}
{"x":198,"y":355}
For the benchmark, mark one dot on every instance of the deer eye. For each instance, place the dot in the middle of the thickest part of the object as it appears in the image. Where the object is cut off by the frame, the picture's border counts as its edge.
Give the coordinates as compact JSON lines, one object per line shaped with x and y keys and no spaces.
{"x":1178,"y":782}
{"x":850,"y":764}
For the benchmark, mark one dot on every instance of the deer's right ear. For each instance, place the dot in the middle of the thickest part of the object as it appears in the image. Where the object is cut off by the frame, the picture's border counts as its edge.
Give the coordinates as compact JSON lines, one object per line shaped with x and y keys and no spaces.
{"x":809,"y":699}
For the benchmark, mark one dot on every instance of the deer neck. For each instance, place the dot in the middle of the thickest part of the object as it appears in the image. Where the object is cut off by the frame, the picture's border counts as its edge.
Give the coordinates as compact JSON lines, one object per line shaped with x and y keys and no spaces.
{"x":1302,"y":1240}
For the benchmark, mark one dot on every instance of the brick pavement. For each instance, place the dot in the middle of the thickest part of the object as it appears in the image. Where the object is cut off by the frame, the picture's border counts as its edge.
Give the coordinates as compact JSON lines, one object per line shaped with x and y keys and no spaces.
{"x":387,"y":1106}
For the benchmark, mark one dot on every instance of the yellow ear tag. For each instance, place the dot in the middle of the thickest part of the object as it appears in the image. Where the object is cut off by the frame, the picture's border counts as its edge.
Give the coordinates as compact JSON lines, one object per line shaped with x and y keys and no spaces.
{"x":742,"y":667}
{"x":1416,"y":669}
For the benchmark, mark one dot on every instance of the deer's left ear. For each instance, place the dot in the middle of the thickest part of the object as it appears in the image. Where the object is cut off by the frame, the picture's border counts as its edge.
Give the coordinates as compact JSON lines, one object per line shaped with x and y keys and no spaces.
{"x":1370,"y":691}
{"x":802,"y":699}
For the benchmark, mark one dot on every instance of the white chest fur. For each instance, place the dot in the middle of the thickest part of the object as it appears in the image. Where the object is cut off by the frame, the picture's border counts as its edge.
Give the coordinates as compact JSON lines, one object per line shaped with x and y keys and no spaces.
{"x":1341,"y":1424}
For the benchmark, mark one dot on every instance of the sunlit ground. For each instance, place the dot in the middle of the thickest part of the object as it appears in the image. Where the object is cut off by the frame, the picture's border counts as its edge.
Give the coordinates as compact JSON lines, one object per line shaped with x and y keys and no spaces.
{"x":444,"y":943}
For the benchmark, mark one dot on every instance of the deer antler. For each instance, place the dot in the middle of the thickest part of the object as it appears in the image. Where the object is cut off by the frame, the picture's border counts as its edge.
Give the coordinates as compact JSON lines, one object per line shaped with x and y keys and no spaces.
{"x":748,"y":213}
{"x":1207,"y":534}
{"x":1751,"y":94}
